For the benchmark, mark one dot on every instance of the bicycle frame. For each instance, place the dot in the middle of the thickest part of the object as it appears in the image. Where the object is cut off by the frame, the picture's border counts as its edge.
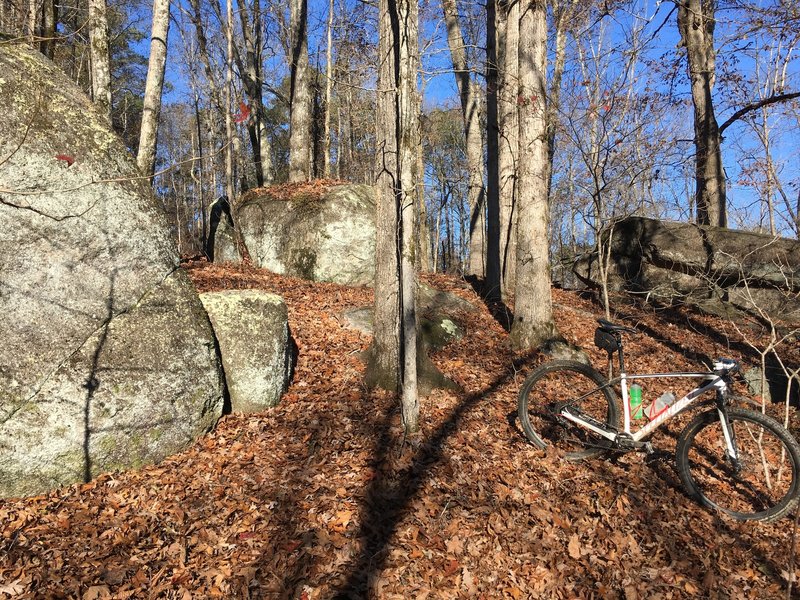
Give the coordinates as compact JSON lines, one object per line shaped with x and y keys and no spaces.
{"x":715,"y":382}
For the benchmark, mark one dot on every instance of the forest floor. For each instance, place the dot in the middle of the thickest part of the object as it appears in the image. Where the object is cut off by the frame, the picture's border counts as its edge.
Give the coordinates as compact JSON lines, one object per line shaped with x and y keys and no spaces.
{"x":322,"y":497}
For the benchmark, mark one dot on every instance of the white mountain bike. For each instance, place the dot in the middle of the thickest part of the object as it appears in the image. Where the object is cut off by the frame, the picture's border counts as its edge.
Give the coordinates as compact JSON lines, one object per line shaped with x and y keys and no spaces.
{"x":741,"y":462}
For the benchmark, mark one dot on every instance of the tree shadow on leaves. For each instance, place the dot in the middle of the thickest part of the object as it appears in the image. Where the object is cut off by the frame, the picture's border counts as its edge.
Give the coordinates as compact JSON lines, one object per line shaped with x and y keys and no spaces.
{"x":386,"y":500}
{"x":497,"y":308}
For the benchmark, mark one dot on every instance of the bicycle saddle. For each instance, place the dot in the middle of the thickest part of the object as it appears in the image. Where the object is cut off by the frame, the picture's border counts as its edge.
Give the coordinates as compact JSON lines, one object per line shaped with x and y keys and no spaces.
{"x":611,"y":327}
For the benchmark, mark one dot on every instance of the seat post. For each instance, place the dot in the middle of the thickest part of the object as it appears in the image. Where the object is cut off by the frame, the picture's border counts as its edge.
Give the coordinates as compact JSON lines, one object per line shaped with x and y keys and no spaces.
{"x":621,"y":356}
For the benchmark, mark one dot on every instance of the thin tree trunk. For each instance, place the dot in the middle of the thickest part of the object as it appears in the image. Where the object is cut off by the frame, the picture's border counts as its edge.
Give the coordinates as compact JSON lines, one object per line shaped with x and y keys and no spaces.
{"x":146,"y":158}
{"x":561,"y":14}
{"x":469,"y":93}
{"x":384,"y":368}
{"x":408,"y":134}
{"x":493,"y":284}
{"x":394,"y":357}
{"x":200,"y":171}
{"x":422,"y":247}
{"x":696,"y":21}
{"x":101,"y":65}
{"x":300,"y":148}
{"x":328,"y":91}
{"x":32,"y":21}
{"x":49,"y":18}
{"x":222,"y":107}
{"x":508,"y":118}
{"x":250,"y":70}
{"x":533,"y":325}
{"x":229,"y":130}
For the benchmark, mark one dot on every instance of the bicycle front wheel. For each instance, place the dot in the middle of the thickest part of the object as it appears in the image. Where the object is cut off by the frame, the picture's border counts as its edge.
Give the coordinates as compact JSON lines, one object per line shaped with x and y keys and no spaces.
{"x":586,"y":392}
{"x":762,"y":484}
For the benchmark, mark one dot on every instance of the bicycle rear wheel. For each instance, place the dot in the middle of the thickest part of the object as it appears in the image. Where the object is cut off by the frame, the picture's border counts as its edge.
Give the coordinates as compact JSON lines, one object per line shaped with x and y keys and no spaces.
{"x":762,"y":485}
{"x":587,"y":392}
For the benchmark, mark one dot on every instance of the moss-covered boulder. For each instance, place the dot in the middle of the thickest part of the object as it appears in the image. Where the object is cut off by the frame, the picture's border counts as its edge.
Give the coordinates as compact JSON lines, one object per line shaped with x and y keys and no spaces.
{"x":108,"y":360}
{"x":252,"y":328}
{"x":326,"y":235}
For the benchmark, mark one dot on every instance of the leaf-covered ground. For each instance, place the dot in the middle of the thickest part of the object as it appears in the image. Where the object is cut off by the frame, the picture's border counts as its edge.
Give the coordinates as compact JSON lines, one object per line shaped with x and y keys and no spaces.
{"x":323,"y":498}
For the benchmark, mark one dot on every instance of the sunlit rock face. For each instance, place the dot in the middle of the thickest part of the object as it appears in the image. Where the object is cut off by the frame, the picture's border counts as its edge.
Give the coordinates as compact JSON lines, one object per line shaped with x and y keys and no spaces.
{"x":107,"y":360}
{"x":252,"y":328}
{"x":330,"y":238}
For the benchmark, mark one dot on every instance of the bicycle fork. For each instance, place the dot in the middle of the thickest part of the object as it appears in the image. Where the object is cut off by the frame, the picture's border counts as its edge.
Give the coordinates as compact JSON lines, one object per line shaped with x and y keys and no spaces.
{"x":731,"y":451}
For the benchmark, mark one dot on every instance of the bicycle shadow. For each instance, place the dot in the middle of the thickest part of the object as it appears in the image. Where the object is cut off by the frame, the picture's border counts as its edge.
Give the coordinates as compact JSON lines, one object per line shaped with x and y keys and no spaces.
{"x":658,"y":521}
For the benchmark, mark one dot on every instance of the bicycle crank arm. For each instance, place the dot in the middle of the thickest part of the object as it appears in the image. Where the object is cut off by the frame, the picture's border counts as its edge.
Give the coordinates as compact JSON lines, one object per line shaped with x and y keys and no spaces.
{"x":625,"y":442}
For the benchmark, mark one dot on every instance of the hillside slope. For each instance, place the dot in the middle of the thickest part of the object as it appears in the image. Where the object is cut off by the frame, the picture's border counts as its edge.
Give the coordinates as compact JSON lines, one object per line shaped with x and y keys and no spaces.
{"x":322,"y":498}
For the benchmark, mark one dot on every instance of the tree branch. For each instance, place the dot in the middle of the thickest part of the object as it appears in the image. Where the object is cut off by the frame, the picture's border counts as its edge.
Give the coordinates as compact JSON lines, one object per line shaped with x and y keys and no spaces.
{"x":755,"y":106}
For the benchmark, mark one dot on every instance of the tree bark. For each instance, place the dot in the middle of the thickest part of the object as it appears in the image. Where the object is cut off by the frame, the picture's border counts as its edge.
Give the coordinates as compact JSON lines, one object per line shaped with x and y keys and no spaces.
{"x":533,"y":325}
{"x":384,"y":367}
{"x":101,"y":62}
{"x":49,"y":19}
{"x":507,"y":94}
{"x":300,"y":148}
{"x":408,"y":144}
{"x":493,"y":283}
{"x":469,"y":93}
{"x":328,"y":91}
{"x":696,"y":21}
{"x":393,"y":362}
{"x":31,"y":22}
{"x":148,"y":134}
{"x":561,"y":14}
{"x":229,"y":129}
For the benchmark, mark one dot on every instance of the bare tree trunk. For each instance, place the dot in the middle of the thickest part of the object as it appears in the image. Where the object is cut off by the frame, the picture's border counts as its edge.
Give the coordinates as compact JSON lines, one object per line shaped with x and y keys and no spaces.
{"x":408,"y":144}
{"x":101,"y":62}
{"x":696,"y":21}
{"x":469,"y":92}
{"x":508,"y":118}
{"x":328,"y":92}
{"x":533,"y":325}
{"x":229,"y":130}
{"x":384,"y":368}
{"x":214,"y":87}
{"x":49,"y":18}
{"x":250,"y":71}
{"x":146,"y":158}
{"x":32,"y":21}
{"x":561,"y":18}
{"x":198,"y":179}
{"x":493,"y":283}
{"x":423,"y":252}
{"x":393,"y":362}
{"x":300,"y":148}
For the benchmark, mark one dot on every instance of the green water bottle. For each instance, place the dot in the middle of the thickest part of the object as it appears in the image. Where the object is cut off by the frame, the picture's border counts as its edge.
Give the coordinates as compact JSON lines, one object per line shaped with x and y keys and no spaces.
{"x":635,"y":400}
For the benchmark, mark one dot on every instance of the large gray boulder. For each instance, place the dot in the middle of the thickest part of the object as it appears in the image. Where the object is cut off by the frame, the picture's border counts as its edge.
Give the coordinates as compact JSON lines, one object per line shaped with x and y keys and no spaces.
{"x":107,"y":360}
{"x":252,"y":328}
{"x":721,"y":270}
{"x":329,"y":238}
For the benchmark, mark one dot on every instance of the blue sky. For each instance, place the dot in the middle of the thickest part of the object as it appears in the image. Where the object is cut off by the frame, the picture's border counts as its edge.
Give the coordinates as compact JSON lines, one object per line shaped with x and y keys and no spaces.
{"x":440,"y":89}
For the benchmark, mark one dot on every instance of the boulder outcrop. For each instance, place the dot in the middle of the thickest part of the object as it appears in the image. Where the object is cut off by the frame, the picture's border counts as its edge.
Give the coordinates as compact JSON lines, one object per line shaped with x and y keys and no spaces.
{"x":720,"y":270}
{"x":252,"y":328}
{"x":108,"y":359}
{"x":329,"y":238}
